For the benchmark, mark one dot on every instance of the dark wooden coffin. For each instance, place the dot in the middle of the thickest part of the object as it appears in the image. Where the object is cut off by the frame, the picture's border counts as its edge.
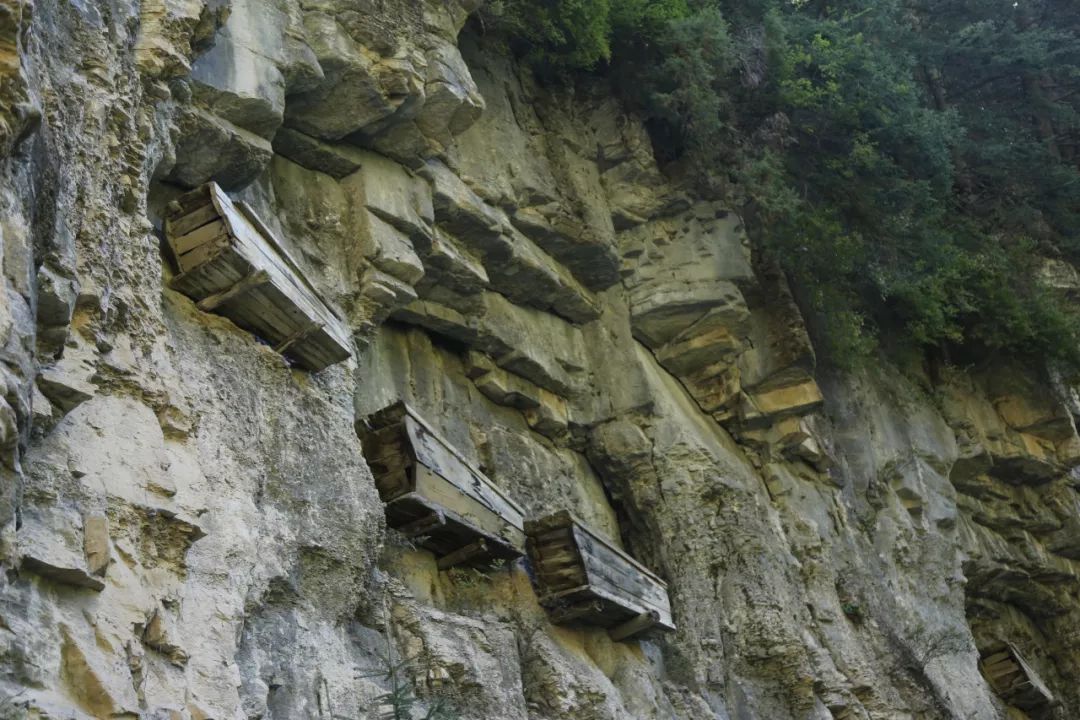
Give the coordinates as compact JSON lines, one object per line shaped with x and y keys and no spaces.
{"x":435,"y":496}
{"x":1014,"y":680}
{"x":230,"y":263}
{"x":583,"y":577}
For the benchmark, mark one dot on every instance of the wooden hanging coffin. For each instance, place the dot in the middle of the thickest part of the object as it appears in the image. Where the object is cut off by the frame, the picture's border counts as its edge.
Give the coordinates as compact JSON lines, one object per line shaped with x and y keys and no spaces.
{"x":435,"y":496}
{"x":231,"y":264}
{"x":1014,"y":680}
{"x":583,"y":577}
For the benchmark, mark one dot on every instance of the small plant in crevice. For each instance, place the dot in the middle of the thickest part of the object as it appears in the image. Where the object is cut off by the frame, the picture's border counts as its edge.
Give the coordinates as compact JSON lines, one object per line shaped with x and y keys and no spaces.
{"x":467,"y":578}
{"x":474,"y":577}
{"x":400,"y":701}
{"x":853,"y":611}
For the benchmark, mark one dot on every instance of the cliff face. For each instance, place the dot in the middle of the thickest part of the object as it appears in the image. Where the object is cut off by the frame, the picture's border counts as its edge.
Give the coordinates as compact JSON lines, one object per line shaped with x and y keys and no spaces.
{"x":190,"y":529}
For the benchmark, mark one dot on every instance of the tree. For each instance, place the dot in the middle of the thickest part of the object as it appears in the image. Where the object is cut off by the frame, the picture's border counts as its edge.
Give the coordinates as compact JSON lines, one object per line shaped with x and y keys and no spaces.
{"x":910,"y":163}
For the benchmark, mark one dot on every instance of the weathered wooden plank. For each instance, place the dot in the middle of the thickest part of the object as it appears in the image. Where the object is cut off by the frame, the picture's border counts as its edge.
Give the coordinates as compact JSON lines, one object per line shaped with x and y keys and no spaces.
{"x":539,"y":527}
{"x":456,"y":533}
{"x":263,"y":249}
{"x":304,"y":332}
{"x":195,"y":238}
{"x":393,"y":485}
{"x":570,"y":613}
{"x":610,"y":569}
{"x":401,"y":450}
{"x":997,"y":657}
{"x":618,"y":609}
{"x":438,"y":489}
{"x":183,"y":225}
{"x":1014,"y":679}
{"x":211,"y":302}
{"x":562,"y":535}
{"x":390,"y":458}
{"x":563,"y":556}
{"x":1002,"y":669}
{"x":630,"y":601}
{"x":560,"y":545}
{"x":191,"y":200}
{"x":203,"y":254}
{"x":272,"y":237}
{"x":438,"y":455}
{"x":564,"y":596}
{"x":562,"y":579}
{"x":226,"y":270}
{"x":469,"y":553}
{"x":603,"y":542}
{"x":424,"y":525}
{"x":207,"y":279}
{"x":635,"y":625}
{"x":287,"y":311}
{"x":266,"y":313}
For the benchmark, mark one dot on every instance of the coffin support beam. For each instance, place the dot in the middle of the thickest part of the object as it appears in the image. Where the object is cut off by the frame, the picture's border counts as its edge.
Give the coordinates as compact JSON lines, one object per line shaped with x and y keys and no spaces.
{"x":248,"y":282}
{"x":569,"y":613}
{"x":424,"y":525}
{"x":635,"y":625}
{"x":472,"y":551}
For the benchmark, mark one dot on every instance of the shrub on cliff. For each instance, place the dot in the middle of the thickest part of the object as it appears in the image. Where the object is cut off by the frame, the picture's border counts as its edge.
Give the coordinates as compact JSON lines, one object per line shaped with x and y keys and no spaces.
{"x":560,"y":36}
{"x":906,"y":162}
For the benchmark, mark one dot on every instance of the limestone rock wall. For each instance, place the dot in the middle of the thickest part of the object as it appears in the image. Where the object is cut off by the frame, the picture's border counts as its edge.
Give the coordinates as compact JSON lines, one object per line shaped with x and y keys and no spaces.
{"x":189,"y":528}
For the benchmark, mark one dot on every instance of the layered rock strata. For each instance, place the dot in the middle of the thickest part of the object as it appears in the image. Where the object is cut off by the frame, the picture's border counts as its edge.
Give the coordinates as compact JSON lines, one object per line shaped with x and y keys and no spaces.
{"x":190,"y":529}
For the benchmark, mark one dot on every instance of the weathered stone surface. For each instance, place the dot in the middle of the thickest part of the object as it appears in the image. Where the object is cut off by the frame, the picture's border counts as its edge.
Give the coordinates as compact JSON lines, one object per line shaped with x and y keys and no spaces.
{"x":1026,"y":433}
{"x":18,"y":115}
{"x":187,"y":525}
{"x":503,"y":388}
{"x":356,"y":90}
{"x":536,"y":346}
{"x":166,"y":32}
{"x":684,"y":268}
{"x":448,"y":266}
{"x":69,"y":381}
{"x":448,"y":105}
{"x":211,"y":148}
{"x":503,"y":155}
{"x":238,"y":78}
{"x":393,"y":252}
{"x":550,"y":416}
{"x":52,"y":545}
{"x":96,"y":542}
{"x":393,"y":193}
{"x":56,"y":304}
{"x":635,"y":188}
{"x":337,"y":160}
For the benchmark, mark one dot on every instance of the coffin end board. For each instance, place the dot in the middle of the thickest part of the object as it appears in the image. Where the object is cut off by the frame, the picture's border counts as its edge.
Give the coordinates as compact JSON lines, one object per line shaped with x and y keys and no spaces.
{"x":1013,"y":680}
{"x":582,"y":577}
{"x":433,"y":494}
{"x":231,"y":264}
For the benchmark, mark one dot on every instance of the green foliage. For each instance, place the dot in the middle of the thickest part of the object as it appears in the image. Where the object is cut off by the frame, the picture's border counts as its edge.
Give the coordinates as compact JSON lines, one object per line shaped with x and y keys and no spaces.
{"x":688,"y":85}
{"x":852,"y":610}
{"x":883,"y":170}
{"x":907,"y":162}
{"x":400,"y":701}
{"x":557,"y":36}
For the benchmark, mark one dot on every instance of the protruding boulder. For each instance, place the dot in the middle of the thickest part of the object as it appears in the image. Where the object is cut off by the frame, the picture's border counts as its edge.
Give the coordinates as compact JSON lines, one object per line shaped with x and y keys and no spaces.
{"x":239,"y":78}
{"x":392,"y":193}
{"x":212,"y":148}
{"x":53,"y":544}
{"x":359,"y":88}
{"x":68,"y":382}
